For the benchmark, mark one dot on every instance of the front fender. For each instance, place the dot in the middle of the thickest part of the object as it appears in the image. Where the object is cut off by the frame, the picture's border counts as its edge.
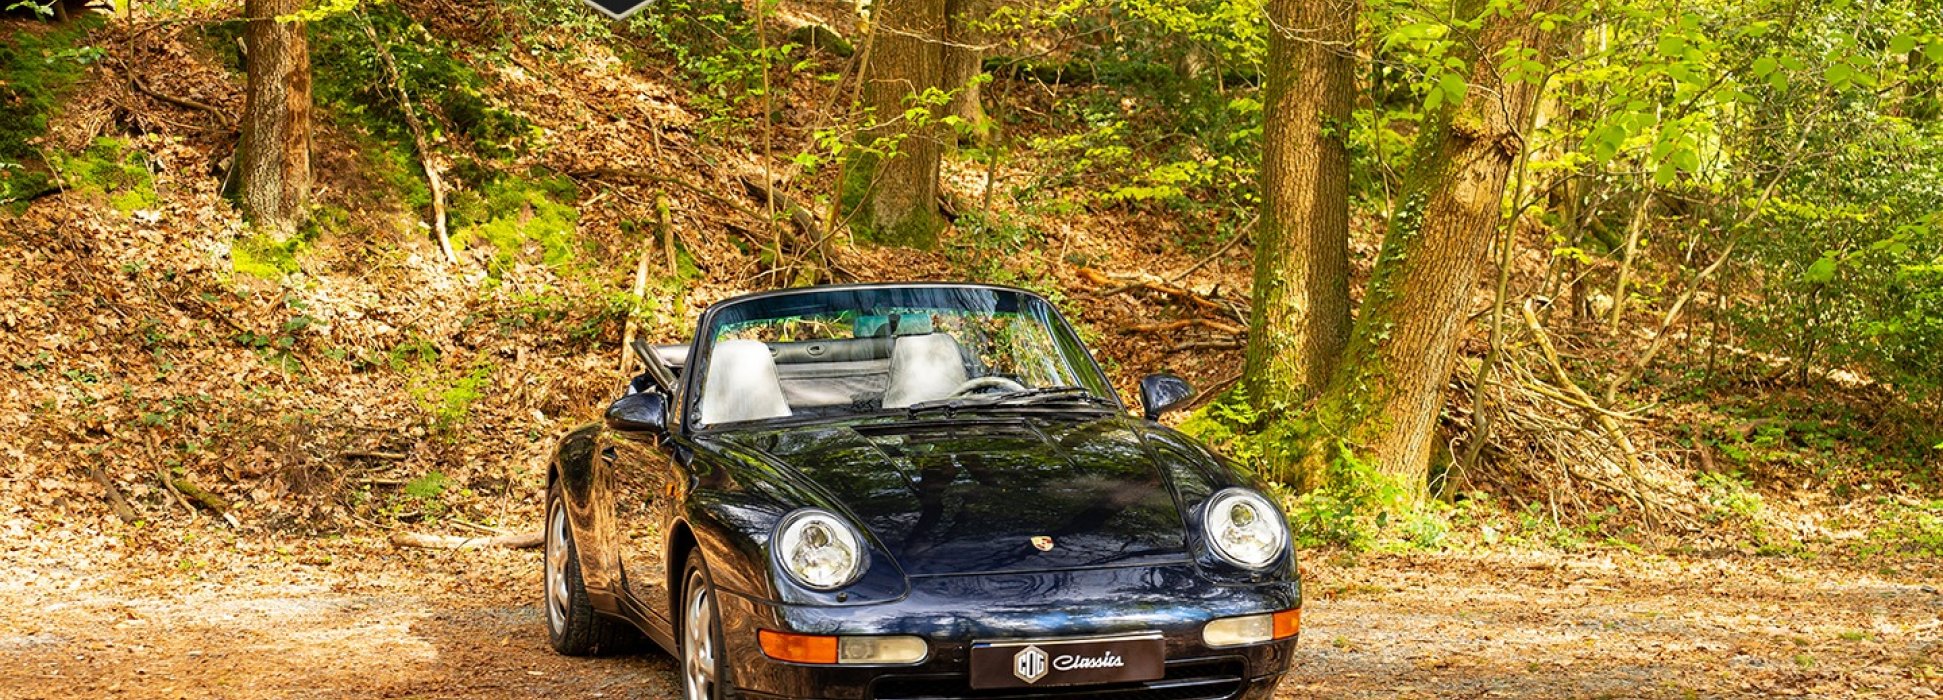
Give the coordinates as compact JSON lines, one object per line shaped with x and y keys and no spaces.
{"x":585,"y":480}
{"x":732,"y":513}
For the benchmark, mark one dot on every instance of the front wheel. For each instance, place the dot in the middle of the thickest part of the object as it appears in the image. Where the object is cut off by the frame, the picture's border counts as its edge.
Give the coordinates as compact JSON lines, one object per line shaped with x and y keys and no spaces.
{"x":701,"y":636}
{"x":572,"y":626}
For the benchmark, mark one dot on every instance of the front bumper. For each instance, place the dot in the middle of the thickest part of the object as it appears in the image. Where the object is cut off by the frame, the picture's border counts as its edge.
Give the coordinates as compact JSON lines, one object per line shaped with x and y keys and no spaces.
{"x":952,"y":612}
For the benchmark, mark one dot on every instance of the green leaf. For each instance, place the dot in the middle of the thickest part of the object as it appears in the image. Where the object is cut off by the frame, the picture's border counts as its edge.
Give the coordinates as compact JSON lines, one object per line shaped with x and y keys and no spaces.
{"x":1822,"y":271}
{"x":1838,"y":74}
{"x":1763,"y":66}
{"x":1902,"y":43}
{"x":1686,"y":159}
{"x":1934,"y":51}
{"x":1664,"y":174}
{"x":1453,"y":86}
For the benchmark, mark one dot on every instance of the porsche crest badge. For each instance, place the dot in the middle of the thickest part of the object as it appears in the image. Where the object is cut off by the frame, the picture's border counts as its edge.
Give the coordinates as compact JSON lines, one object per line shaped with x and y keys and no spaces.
{"x":1042,"y":543}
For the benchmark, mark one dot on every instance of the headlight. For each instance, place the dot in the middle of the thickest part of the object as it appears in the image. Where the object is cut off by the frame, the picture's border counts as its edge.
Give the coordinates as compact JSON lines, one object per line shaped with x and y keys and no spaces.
{"x":818,"y":550}
{"x":1244,"y":528}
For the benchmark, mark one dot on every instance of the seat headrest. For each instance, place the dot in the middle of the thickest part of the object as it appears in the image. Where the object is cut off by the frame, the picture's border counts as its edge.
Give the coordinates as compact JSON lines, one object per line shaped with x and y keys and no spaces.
{"x":924,"y":368}
{"x":742,"y":384}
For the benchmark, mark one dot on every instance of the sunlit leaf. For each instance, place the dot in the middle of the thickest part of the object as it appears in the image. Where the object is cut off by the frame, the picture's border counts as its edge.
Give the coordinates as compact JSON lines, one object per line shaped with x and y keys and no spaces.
{"x":1822,"y":271}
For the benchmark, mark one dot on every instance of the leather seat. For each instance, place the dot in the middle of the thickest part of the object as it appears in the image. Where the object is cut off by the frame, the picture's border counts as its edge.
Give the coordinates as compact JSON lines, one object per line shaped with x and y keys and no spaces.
{"x":742,"y":384}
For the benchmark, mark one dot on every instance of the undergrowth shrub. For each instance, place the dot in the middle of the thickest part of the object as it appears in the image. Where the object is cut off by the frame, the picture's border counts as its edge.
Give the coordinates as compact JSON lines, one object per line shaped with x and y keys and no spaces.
{"x":351,"y":80}
{"x":1360,"y":508}
{"x":1912,"y":530}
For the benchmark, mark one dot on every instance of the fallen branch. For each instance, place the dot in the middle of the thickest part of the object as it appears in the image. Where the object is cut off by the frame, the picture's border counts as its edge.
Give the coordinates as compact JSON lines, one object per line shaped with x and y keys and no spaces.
{"x":419,"y":142}
{"x":115,"y":499}
{"x":168,"y":489}
{"x":1171,"y":326}
{"x":529,"y":540}
{"x":1206,"y":345}
{"x":183,"y":102}
{"x":373,"y":454}
{"x":1097,"y":277}
{"x":1223,"y":250}
{"x":208,"y":500}
{"x":799,"y":217}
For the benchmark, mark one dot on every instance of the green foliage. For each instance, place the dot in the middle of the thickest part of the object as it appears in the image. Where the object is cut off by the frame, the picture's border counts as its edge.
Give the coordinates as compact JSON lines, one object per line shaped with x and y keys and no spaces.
{"x":110,"y":169}
{"x":427,"y":487}
{"x":450,"y":401}
{"x":1731,"y":496}
{"x":511,"y":213}
{"x":39,"y":65}
{"x":716,"y":48}
{"x":1356,"y":506}
{"x":264,"y":256}
{"x":351,"y":81}
{"x":1909,"y":529}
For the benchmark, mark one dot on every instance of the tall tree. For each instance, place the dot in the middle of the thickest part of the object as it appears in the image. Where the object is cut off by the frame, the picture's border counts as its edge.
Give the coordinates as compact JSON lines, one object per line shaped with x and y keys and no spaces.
{"x":1301,"y":307}
{"x":1381,"y":403}
{"x":964,"y":61}
{"x":891,"y":196}
{"x":274,"y":154}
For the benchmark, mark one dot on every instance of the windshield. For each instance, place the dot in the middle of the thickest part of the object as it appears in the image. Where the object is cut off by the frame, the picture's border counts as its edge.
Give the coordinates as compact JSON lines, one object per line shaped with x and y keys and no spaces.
{"x":850,"y":351}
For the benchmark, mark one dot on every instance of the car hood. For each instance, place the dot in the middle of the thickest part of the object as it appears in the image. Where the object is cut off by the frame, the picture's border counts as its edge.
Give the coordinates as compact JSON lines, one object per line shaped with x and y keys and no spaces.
{"x":970,"y":495}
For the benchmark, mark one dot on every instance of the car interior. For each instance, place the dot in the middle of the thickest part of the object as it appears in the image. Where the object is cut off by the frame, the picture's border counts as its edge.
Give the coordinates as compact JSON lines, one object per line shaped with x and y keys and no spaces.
{"x":756,"y":380}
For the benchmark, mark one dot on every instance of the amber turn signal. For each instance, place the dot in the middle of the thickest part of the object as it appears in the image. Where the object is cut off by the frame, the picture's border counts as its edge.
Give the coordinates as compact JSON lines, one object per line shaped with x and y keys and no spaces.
{"x":1288,"y":623}
{"x":817,"y":649}
{"x":799,"y":648}
{"x":1252,"y":629}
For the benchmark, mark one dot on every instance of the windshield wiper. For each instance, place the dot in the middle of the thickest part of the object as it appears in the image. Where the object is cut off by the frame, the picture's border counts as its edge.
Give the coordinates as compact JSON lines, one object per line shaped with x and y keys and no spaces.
{"x":1029,"y":397}
{"x":1050,"y":395}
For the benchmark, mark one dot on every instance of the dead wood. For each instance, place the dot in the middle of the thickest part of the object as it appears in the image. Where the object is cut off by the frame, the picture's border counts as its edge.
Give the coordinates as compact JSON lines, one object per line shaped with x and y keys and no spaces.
{"x":374,"y":454}
{"x":113,"y":494}
{"x":1171,"y":326}
{"x":528,"y":540}
{"x":419,"y":141}
{"x":1206,"y":345}
{"x":1156,"y":286}
{"x":224,"y":119}
{"x":199,"y":496}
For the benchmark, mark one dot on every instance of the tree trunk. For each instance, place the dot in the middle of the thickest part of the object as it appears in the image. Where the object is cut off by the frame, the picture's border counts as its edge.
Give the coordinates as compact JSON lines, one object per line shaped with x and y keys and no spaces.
{"x":891,"y":195}
{"x":274,"y":154}
{"x":964,"y":61}
{"x":1382,"y":403}
{"x":1301,"y":306}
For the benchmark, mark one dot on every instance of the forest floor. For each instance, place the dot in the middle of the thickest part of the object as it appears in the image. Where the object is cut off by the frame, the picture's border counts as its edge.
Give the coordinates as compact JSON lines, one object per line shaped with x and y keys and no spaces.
{"x":351,"y":384}
{"x":354,"y":618}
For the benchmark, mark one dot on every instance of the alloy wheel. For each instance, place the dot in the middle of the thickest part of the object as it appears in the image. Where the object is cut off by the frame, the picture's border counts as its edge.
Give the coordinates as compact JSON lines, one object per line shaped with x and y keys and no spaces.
{"x":698,"y":640}
{"x":557,"y":596}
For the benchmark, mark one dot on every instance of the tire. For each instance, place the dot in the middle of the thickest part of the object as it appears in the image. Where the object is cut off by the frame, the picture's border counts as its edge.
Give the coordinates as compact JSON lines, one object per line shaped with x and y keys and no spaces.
{"x":572,"y":626}
{"x":704,"y":670}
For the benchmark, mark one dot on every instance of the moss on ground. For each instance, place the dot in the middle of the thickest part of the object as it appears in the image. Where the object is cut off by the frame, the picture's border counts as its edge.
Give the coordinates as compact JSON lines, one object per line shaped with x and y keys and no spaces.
{"x":39,"y":65}
{"x":512,"y":213}
{"x":111,"y":169}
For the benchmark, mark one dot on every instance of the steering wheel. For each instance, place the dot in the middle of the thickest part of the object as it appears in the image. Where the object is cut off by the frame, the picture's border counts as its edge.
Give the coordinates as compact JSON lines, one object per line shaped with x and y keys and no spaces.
{"x":978,"y":385}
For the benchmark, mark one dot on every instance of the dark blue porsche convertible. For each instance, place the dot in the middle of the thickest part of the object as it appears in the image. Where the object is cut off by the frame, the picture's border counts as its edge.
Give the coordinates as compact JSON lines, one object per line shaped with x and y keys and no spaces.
{"x":912,"y":491}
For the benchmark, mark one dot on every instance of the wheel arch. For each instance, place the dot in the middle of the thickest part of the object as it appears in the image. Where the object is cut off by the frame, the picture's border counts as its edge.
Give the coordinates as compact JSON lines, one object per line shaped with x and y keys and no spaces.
{"x":681,"y":541}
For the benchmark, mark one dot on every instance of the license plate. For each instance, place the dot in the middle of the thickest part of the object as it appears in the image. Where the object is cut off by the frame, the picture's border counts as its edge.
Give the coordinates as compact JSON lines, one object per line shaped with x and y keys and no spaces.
{"x":1054,"y":662}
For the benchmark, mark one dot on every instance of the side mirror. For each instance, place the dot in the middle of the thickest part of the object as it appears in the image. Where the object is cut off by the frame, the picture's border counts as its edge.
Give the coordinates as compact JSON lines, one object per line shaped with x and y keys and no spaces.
{"x":644,"y":411}
{"x":1163,"y":392}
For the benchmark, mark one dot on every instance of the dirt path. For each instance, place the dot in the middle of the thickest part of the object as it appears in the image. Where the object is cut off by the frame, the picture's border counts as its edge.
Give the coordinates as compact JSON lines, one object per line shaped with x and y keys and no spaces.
{"x":357,"y":619}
